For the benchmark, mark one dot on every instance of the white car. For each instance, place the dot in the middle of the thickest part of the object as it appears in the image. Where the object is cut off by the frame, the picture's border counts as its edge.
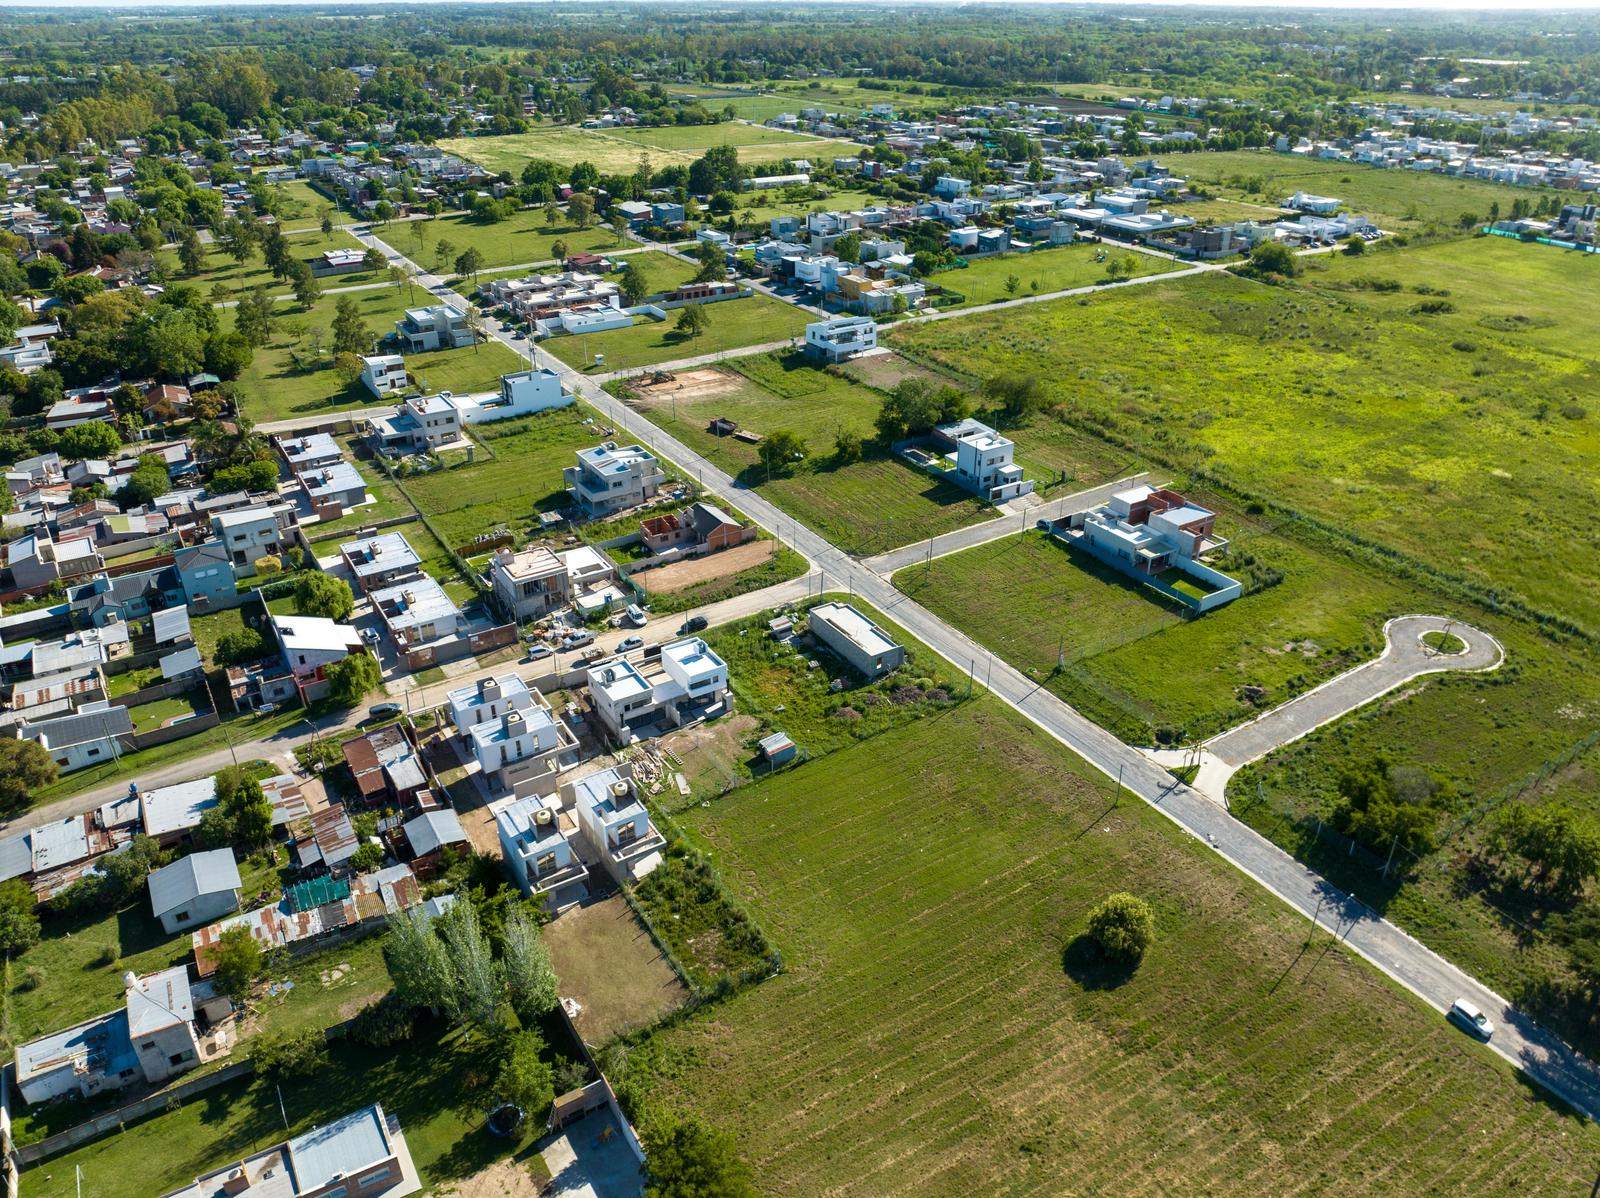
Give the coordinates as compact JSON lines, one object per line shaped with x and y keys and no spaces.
{"x":1469,"y":1019}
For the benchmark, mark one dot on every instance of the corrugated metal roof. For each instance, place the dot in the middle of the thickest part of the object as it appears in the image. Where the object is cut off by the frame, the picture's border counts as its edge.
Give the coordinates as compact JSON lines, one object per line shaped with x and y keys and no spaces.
{"x":344,"y":1148}
{"x":183,"y":881}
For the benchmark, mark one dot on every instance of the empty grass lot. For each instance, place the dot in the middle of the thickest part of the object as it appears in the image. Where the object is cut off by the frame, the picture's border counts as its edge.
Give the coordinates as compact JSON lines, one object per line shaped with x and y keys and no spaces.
{"x":239,"y":277}
{"x":619,"y":150}
{"x":1136,"y":662}
{"x":1437,"y":418}
{"x":526,"y":236}
{"x":275,"y":387}
{"x":1396,"y":200}
{"x":762,"y":206}
{"x":922,"y":900}
{"x":984,"y":280}
{"x":732,"y":324}
{"x":864,"y":507}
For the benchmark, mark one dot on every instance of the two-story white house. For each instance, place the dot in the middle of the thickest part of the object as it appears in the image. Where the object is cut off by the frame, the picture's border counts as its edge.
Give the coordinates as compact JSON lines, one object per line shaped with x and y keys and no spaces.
{"x":512,"y":733}
{"x":840,"y":338}
{"x":251,"y":533}
{"x":614,"y":824}
{"x":442,"y":326}
{"x":419,"y":424}
{"x":529,"y":583}
{"x":985,"y":460}
{"x":611,"y":478}
{"x":384,"y":374}
{"x":538,"y":843}
{"x":687,"y":682}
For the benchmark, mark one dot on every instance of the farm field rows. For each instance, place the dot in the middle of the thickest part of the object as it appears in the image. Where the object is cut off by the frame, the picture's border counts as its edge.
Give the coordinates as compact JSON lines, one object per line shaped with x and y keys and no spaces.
{"x":923,"y":902}
{"x":733,"y":324}
{"x":1396,"y":200}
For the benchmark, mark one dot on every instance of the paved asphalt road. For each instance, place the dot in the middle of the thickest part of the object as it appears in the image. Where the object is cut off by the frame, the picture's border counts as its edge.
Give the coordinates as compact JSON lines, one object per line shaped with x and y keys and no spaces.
{"x":1404,"y":657}
{"x":1542,"y":1056}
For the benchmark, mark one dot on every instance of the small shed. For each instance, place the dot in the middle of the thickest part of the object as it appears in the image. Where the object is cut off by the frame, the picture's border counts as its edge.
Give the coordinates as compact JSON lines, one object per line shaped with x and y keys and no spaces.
{"x":195,"y":890}
{"x":777,"y":749}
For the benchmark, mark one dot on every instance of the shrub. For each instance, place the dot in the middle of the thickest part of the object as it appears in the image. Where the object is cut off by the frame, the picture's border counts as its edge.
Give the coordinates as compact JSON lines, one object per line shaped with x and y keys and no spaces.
{"x":384,"y":1023}
{"x":32,"y":978}
{"x":283,"y":1056}
{"x":107,"y":955}
{"x":240,"y":646}
{"x":1123,"y":926}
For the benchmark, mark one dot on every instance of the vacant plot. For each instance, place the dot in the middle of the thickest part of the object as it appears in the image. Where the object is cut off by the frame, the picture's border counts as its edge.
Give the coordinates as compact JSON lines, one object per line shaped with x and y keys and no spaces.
{"x":924,"y":993}
{"x":619,"y":150}
{"x":293,"y":374}
{"x":733,"y":324}
{"x":1462,"y":398}
{"x":1398,"y":200}
{"x":238,"y":277}
{"x":608,"y":963}
{"x":525,"y":236}
{"x":1011,"y":276}
{"x":698,"y":570}
{"x":865,"y":506}
{"x":761,"y":206}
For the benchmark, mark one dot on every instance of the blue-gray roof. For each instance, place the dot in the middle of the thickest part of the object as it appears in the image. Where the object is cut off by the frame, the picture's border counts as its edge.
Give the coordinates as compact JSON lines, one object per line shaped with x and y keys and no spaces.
{"x":434,"y":829}
{"x":171,"y":624}
{"x":184,"y":661}
{"x":175,"y":885}
{"x":345,"y":1147}
{"x":102,"y":1044}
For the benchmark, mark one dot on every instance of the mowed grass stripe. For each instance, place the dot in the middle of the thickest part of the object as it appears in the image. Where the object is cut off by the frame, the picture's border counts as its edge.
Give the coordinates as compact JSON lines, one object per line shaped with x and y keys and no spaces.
{"x":924,"y":1016}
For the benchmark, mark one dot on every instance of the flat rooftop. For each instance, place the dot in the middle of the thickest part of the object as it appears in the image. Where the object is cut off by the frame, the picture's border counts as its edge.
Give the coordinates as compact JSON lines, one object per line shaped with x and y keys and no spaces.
{"x":854,"y":627}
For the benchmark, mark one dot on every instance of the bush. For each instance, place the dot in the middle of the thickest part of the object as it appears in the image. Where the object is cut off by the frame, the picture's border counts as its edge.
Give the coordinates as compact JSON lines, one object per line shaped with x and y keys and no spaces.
{"x":366,"y":858}
{"x":1123,"y":926}
{"x":32,"y":978}
{"x":285,"y":1056}
{"x":19,"y":922}
{"x":384,"y":1023}
{"x":240,"y":646}
{"x":107,"y":955}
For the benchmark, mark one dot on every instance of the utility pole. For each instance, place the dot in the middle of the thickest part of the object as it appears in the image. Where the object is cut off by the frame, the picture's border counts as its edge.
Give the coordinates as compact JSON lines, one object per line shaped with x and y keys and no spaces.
{"x":1118,"y":797}
{"x":1393,"y":844}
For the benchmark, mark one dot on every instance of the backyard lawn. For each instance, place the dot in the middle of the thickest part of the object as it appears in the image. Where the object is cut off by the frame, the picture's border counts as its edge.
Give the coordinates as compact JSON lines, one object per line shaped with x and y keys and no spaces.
{"x":926,"y":904}
{"x":289,"y":377}
{"x":1012,"y":276}
{"x":729,"y":325}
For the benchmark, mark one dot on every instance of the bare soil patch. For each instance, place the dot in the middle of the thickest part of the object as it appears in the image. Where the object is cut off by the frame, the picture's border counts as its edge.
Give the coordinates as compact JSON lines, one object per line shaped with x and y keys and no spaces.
{"x":884,"y":370}
{"x":680,"y":576}
{"x":685,"y":386}
{"x":608,"y":963}
{"x":508,"y":1178}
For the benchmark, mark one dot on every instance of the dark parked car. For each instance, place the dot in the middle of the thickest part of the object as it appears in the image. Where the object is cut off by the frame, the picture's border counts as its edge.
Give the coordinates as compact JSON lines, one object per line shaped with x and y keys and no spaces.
{"x":692,"y":624}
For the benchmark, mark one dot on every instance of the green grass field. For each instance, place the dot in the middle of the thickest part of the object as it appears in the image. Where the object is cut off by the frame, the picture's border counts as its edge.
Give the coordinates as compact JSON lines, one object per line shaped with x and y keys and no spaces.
{"x":299,"y":207}
{"x":730,"y":325}
{"x":614,"y":150}
{"x":1397,"y":200}
{"x":527,"y":236}
{"x":864,"y":507}
{"x":274,"y":387}
{"x":923,"y":900}
{"x":984,"y":280}
{"x":1436,"y":419}
{"x":762,"y":206}
{"x":239,"y":277}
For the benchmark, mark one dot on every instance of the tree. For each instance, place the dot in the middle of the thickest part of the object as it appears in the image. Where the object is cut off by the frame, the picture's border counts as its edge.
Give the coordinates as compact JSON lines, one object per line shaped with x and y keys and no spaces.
{"x":688,"y":1158}
{"x":1121,"y":267}
{"x":691,"y":321}
{"x":445,"y":252}
{"x":253,"y":317}
{"x":1123,"y":926}
{"x":779,"y":451}
{"x":366,"y":858}
{"x":327,"y":221}
{"x":1273,"y":258}
{"x":90,"y":441}
{"x":525,"y":1079}
{"x":530,"y":978}
{"x":713,"y":262}
{"x":717,"y":170}
{"x":469,"y":262}
{"x":373,"y":259}
{"x":238,"y":963}
{"x":1017,"y":395}
{"x":350,"y":333}
{"x":307,"y":287}
{"x":148,"y":481}
{"x":1355,"y":245}
{"x":552,"y":214}
{"x":19,"y":922}
{"x":247,"y":806}
{"x":319,"y":594}
{"x":1011,"y":284}
{"x":558,"y":250}
{"x":848,"y":248}
{"x":417,"y":962}
{"x":635,"y":284}
{"x":348,"y":367}
{"x":580,"y":209}
{"x":847,"y":447}
{"x":1388,"y":807}
{"x":191,"y":254}
{"x":619,"y":228}
{"x":476,"y":979}
{"x":1561,"y":847}
{"x":240,"y":646}
{"x":351,"y":679}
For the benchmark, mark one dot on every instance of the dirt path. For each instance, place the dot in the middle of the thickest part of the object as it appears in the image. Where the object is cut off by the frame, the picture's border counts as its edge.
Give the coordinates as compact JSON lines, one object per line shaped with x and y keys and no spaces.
{"x":680,"y":576}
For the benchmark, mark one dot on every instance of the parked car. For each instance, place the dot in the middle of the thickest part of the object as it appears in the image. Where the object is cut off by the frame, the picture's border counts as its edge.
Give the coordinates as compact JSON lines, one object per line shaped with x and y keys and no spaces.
{"x":692,"y":624}
{"x":384,"y":711}
{"x":535,"y":652}
{"x":370,"y":635}
{"x":635,"y":616}
{"x":266,"y":709}
{"x":1469,"y":1019}
{"x":629,"y":643}
{"x":578,"y":639}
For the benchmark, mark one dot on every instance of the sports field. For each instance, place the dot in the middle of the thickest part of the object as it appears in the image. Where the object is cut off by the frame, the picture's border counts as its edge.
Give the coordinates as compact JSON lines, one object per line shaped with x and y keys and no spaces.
{"x":930,"y":1036}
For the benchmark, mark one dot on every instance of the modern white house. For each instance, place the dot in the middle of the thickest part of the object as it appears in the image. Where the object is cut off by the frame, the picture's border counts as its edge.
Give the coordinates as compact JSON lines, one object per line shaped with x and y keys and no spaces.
{"x":614,"y":823}
{"x":840,"y":338}
{"x":984,"y":461}
{"x":538,"y":844}
{"x":384,"y":373}
{"x":417,"y":611}
{"x":1145,"y":532}
{"x":512,"y":733}
{"x":442,"y":326}
{"x":419,"y":424}
{"x":1303,"y":201}
{"x":529,"y":583}
{"x":309,"y":644}
{"x":611,"y":478}
{"x":522,"y":394}
{"x":251,"y":533}
{"x":862,"y":644}
{"x":687,"y":682}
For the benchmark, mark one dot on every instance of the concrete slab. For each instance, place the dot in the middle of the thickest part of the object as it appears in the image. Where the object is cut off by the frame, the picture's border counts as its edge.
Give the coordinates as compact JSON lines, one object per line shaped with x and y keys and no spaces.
{"x":591,"y":1159}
